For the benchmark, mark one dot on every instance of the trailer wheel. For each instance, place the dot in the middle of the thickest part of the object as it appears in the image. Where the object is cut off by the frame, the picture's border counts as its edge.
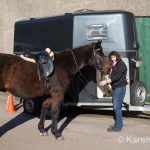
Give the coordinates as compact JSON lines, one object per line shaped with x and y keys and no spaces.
{"x":138,"y":93}
{"x":32,"y":106}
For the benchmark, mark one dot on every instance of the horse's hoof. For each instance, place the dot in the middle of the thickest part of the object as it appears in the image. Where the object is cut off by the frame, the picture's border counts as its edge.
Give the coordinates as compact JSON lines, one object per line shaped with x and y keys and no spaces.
{"x":43,"y":133}
{"x":57,"y":135}
{"x":60,"y":138}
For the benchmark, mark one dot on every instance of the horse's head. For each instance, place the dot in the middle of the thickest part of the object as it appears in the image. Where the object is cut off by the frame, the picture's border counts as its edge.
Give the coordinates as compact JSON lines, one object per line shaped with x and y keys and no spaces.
{"x":101,"y":63}
{"x":98,"y":55}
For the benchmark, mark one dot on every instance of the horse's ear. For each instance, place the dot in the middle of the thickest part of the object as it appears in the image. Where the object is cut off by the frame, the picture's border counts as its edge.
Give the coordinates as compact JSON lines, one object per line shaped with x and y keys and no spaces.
{"x":99,"y":41}
{"x":98,"y":45}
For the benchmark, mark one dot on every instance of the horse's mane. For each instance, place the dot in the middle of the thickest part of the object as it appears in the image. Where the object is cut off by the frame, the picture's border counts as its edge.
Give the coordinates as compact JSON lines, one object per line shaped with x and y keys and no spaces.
{"x":76,"y":49}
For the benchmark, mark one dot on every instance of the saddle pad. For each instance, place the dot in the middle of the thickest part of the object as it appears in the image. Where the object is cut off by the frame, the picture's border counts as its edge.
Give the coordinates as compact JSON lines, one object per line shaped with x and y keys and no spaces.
{"x":27,"y":59}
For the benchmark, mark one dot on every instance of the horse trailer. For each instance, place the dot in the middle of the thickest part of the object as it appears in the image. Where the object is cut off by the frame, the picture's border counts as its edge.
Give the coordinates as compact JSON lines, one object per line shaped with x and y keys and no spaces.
{"x":116,"y":29}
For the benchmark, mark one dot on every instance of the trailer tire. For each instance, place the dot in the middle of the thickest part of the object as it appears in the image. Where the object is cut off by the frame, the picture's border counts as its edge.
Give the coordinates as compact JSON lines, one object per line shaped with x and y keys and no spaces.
{"x":138,"y":93}
{"x":32,"y":106}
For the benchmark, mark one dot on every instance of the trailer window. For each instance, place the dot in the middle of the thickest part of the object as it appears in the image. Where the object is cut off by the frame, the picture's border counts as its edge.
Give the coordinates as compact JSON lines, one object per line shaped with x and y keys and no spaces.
{"x":97,"y":31}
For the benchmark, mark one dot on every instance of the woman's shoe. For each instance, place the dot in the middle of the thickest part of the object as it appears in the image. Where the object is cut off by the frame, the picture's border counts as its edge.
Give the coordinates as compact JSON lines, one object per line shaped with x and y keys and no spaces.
{"x":113,"y":129}
{"x":110,"y":127}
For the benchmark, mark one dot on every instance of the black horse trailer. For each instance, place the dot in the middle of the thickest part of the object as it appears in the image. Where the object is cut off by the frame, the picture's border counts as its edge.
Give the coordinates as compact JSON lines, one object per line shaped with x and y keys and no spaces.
{"x":116,"y":29}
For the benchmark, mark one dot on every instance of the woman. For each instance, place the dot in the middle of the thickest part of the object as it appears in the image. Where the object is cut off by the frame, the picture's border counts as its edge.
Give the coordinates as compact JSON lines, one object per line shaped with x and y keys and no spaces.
{"x":118,"y":82}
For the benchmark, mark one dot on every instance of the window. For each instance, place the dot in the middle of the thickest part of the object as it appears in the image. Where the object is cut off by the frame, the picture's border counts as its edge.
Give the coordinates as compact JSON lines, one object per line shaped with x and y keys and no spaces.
{"x":97,"y":31}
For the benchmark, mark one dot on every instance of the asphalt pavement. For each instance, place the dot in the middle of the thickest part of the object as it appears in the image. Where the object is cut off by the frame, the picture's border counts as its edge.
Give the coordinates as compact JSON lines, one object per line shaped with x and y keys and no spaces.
{"x":82,"y":129}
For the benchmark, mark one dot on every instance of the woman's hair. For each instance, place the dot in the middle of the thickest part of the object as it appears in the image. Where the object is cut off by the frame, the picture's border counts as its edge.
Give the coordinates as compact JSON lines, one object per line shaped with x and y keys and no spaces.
{"x":114,"y":53}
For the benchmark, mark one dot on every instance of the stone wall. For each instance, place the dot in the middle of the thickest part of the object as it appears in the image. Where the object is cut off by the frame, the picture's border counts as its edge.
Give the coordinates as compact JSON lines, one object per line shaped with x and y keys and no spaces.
{"x":14,"y":10}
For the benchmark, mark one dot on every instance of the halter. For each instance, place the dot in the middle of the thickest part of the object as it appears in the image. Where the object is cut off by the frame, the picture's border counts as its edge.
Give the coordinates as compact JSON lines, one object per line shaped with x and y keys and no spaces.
{"x":96,"y":60}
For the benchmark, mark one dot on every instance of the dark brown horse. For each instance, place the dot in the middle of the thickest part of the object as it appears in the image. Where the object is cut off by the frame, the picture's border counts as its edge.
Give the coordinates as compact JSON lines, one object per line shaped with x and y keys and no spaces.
{"x":20,"y":78}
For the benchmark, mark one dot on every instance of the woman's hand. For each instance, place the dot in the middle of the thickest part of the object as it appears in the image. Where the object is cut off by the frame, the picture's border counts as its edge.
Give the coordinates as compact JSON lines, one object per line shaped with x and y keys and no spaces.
{"x":104,"y":82}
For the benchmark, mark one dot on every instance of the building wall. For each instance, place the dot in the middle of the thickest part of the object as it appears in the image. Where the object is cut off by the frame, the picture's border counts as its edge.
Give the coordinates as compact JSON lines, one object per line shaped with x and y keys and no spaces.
{"x":14,"y":10}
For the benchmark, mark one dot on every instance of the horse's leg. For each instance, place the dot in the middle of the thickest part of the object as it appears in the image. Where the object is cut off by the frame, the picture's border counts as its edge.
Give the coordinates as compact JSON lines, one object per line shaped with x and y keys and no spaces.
{"x":55,"y":109}
{"x":42,"y":121}
{"x":44,"y":111}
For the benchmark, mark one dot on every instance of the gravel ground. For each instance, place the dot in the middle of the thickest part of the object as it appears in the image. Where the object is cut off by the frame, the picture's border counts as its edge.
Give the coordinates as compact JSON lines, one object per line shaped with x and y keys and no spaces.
{"x":86,"y":130}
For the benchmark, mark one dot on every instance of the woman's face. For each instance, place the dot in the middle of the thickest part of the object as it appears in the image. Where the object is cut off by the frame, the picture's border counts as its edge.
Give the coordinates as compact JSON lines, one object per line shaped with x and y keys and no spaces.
{"x":113,"y":58}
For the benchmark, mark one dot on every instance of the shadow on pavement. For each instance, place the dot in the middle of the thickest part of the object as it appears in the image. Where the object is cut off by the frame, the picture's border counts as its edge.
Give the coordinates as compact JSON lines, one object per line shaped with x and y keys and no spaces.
{"x":69,"y":114}
{"x":72,"y":112}
{"x":138,"y":114}
{"x":18,"y":120}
